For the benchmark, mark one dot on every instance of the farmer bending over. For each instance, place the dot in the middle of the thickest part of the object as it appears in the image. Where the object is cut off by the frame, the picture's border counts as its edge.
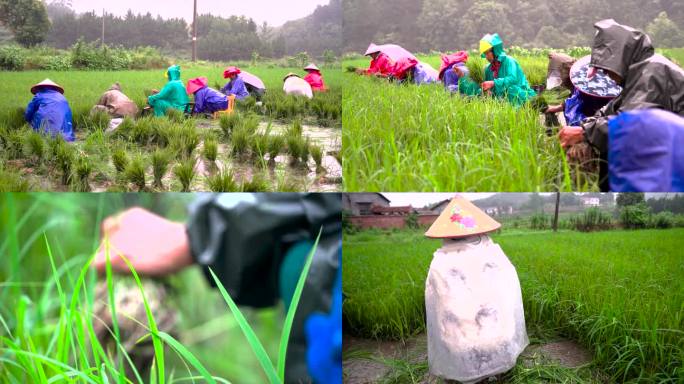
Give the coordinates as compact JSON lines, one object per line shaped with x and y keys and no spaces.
{"x":207,"y":100}
{"x":49,"y":112}
{"x":380,"y":65}
{"x":314,"y":78}
{"x":295,"y":85}
{"x":235,"y":86}
{"x":503,"y":76}
{"x":172,"y":95}
{"x":649,"y":80}
{"x":257,"y":245}
{"x":115,"y":103}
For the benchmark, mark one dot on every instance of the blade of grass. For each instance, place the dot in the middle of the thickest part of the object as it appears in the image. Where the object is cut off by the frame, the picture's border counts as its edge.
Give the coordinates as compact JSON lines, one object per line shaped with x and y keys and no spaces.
{"x":254,"y":342}
{"x":112,"y":309}
{"x":287,"y":327}
{"x":187,"y":355}
{"x":156,"y":341}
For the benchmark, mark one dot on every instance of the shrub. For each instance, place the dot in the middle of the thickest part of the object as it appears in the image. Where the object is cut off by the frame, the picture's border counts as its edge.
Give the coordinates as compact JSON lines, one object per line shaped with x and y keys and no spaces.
{"x":592,"y":219}
{"x":539,"y":221}
{"x":222,"y":181}
{"x":634,"y":216}
{"x":160,"y":164}
{"x":662,"y":220}
{"x":12,"y":58}
{"x":412,"y":221}
{"x":185,"y":171}
{"x":135,"y":172}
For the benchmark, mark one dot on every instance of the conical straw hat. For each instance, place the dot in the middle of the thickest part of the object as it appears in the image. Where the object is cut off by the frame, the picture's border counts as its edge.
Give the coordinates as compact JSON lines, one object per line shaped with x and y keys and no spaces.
{"x":461,"y":218}
{"x":47,"y":83}
{"x":312,"y":67}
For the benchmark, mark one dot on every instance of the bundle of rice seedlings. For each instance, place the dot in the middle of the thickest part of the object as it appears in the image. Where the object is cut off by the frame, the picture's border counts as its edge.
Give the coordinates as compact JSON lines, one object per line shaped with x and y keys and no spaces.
{"x":82,"y":173}
{"x":260,"y":145}
{"x":34,"y":146}
{"x":11,"y":181}
{"x":275,"y":146}
{"x":160,"y":164}
{"x":185,"y":172}
{"x":476,"y":66}
{"x":304,"y":155}
{"x":258,"y":183}
{"x":65,"y":156}
{"x":296,"y":129}
{"x":120,"y":159}
{"x":14,"y":118}
{"x":14,"y":144}
{"x":228,"y":123}
{"x":210,"y":149}
{"x":135,"y":172}
{"x":250,"y":123}
{"x":174,"y":115}
{"x":317,"y":154}
{"x":240,"y":142}
{"x":99,"y":120}
{"x":222,"y":181}
{"x":295,"y":147}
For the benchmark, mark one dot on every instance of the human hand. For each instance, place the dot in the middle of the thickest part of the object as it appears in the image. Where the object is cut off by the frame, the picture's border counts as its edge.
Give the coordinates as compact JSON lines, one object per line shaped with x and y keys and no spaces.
{"x":487,"y":85}
{"x":554,"y":108}
{"x":570,"y":136}
{"x":154,"y":245}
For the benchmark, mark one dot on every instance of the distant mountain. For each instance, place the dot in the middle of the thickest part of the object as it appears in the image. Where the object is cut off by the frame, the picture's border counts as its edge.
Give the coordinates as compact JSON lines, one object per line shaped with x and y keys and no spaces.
{"x":320,"y":31}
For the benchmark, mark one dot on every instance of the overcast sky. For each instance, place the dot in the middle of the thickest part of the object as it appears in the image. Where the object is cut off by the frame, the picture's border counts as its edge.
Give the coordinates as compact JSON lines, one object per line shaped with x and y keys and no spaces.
{"x":274,"y":12}
{"x":419,"y":200}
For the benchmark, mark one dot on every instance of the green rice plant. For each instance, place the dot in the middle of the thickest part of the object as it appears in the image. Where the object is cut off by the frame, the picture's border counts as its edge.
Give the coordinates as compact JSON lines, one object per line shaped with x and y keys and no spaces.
{"x":258,"y":183}
{"x":317,"y":155}
{"x":82,"y":173}
{"x":185,"y":172}
{"x":125,"y":129}
{"x":120,"y":159}
{"x":35,"y":146}
{"x":259,"y":144}
{"x":160,"y":164}
{"x":174,"y":115}
{"x":222,"y":181}
{"x":65,"y":155}
{"x":11,"y":181}
{"x":250,"y":123}
{"x":14,"y":144}
{"x":305,"y":151}
{"x":99,"y":120}
{"x":295,"y":129}
{"x":135,"y":172}
{"x":241,"y":142}
{"x":184,"y":139}
{"x":476,"y":66}
{"x":210,"y":149}
{"x":277,"y":374}
{"x":275,"y":146}
{"x":14,"y":117}
{"x":228,"y":123}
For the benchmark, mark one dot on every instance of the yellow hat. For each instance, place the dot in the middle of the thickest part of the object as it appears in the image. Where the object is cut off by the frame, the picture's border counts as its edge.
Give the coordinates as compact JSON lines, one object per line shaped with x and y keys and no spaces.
{"x":461,"y":218}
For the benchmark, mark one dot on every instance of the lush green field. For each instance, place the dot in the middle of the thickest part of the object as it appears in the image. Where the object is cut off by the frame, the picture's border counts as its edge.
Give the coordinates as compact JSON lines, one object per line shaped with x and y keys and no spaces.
{"x":619,"y":293}
{"x":45,"y":320}
{"x":257,"y":157}
{"x":409,"y":138}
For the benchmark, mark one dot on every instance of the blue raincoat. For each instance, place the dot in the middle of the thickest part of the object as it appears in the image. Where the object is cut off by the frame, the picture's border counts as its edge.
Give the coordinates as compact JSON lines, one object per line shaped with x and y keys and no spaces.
{"x":235,"y":87}
{"x":646,"y":151}
{"x":424,"y":74}
{"x":49,"y":112}
{"x":210,"y":100}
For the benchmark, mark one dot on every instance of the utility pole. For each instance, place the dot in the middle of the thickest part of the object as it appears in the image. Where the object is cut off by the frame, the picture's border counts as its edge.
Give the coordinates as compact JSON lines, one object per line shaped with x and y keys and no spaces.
{"x":103,"y":17}
{"x":194,"y":33}
{"x":555,"y":216}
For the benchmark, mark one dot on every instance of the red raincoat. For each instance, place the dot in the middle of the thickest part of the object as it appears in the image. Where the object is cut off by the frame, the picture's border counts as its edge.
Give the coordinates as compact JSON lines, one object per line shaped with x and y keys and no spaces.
{"x":381,"y":65}
{"x":315,"y":79}
{"x":401,"y":67}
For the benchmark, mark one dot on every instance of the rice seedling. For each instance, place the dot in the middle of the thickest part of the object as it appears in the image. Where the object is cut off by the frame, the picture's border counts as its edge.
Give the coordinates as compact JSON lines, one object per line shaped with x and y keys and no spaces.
{"x":14,"y":117}
{"x":241,"y":142}
{"x":275,"y":146}
{"x":185,"y":172}
{"x":603,"y":289}
{"x":210,"y":150}
{"x":82,"y":172}
{"x":259,"y":144}
{"x":476,"y":67}
{"x":228,"y":123}
{"x":250,"y":123}
{"x":14,"y":144}
{"x":35,"y":146}
{"x":222,"y":181}
{"x":120,"y":159}
{"x":99,"y":120}
{"x":160,"y":164}
{"x":296,"y":129}
{"x":258,"y":183}
{"x":175,"y":115}
{"x":317,"y":155}
{"x":135,"y":172}
{"x":305,"y":150}
{"x":11,"y":181}
{"x":65,"y":156}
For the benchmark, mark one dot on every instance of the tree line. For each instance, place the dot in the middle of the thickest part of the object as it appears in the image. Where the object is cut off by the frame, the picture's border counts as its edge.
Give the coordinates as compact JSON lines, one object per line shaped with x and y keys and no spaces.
{"x":56,"y":24}
{"x":448,"y":25}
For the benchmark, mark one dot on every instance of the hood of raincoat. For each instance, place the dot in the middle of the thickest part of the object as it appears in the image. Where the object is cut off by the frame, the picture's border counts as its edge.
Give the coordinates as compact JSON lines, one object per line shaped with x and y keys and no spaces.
{"x":448,"y":60}
{"x":402,"y":67}
{"x":491,"y":41}
{"x":173,"y":73}
{"x":617,"y":46}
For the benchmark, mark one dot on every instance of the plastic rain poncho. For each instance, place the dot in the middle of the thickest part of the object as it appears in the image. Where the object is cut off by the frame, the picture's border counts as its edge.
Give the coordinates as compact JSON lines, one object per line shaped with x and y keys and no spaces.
{"x":297,"y":86}
{"x":510,"y":82}
{"x":49,"y":112}
{"x":173,"y":94}
{"x":209,"y":100}
{"x":236,"y":87}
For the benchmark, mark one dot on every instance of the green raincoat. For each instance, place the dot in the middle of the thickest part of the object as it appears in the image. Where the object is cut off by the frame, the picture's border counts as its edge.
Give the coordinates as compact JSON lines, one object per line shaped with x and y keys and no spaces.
{"x":173,"y":95}
{"x":511,"y":81}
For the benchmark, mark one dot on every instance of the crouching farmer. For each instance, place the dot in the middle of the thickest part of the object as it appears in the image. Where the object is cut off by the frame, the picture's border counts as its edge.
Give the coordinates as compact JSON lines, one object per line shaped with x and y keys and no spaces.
{"x":49,"y":111}
{"x":207,"y":100}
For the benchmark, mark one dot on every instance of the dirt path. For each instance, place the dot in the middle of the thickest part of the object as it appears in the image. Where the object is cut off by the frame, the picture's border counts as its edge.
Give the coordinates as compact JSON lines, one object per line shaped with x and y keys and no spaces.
{"x":369,"y":361}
